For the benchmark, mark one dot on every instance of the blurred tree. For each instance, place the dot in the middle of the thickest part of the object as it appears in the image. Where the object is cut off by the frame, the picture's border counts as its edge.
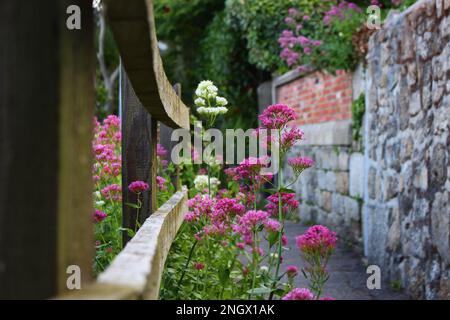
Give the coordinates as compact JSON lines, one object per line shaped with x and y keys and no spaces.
{"x":107,"y":70}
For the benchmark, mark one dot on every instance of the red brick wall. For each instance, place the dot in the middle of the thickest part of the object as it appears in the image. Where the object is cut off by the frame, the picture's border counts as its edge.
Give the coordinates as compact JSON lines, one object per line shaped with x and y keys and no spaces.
{"x":319,"y":97}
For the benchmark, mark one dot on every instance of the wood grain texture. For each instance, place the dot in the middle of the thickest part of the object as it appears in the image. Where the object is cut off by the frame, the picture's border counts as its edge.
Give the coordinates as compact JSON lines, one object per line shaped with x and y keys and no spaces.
{"x":133,"y":27}
{"x":154,"y":166}
{"x":46,"y":111}
{"x":165,"y":134}
{"x":136,"y":156}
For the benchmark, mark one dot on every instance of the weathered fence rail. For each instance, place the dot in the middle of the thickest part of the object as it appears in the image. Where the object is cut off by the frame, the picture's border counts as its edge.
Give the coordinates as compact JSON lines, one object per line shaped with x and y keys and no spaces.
{"x":47,"y":95}
{"x":136,"y":272}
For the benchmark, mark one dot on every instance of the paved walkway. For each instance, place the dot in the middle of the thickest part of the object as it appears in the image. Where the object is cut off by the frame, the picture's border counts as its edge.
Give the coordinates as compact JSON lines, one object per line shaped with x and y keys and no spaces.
{"x":347,"y":273}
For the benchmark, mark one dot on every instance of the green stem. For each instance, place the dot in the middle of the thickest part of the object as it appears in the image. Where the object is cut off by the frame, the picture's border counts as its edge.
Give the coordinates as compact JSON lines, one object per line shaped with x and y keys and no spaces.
{"x":255,"y":263}
{"x":191,"y":252}
{"x":280,"y":218}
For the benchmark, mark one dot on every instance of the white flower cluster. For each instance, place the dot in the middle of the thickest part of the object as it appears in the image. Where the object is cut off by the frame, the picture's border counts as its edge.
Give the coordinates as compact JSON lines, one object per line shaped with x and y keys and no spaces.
{"x":201,"y":182}
{"x":98,"y":196}
{"x":213,"y":161}
{"x":208,"y":102}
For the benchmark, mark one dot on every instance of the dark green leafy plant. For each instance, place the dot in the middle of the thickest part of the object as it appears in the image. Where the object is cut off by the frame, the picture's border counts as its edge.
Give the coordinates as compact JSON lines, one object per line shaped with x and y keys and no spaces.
{"x":358,"y":109}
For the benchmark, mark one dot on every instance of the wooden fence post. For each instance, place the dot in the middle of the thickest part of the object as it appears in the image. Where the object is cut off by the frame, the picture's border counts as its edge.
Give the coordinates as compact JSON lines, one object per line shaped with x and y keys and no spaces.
{"x":165,"y":134}
{"x":46,"y":112}
{"x":137,"y":158}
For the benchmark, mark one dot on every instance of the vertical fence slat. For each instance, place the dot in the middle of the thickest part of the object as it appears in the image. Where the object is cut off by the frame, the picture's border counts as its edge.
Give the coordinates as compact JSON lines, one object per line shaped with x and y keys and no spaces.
{"x":46,"y":110}
{"x":154,"y":166}
{"x":136,"y":155}
{"x":165,"y":141}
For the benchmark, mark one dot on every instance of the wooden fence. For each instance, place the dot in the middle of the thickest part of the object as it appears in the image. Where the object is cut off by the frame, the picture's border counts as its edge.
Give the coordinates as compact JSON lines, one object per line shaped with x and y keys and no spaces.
{"x":47,"y":105}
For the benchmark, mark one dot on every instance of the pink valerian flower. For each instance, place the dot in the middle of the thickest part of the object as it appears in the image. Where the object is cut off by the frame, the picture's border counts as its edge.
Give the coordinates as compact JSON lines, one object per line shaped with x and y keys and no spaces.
{"x":317,"y":239}
{"x":112,"y":121}
{"x":161,"y":182}
{"x":250,"y":174}
{"x":247,"y":223}
{"x":290,"y":56}
{"x":240,"y":245}
{"x":291,"y":271}
{"x":299,"y":294}
{"x":284,"y":240}
{"x":293,"y":12}
{"x":164,"y":163}
{"x":112,"y":192}
{"x":199,"y":265}
{"x":200,"y":206}
{"x":300,"y":163}
{"x":99,"y":216}
{"x":290,"y":137}
{"x":341,"y":11}
{"x":258,"y":251}
{"x":277,"y":116}
{"x":287,"y":199}
{"x":138,"y":187}
{"x":246,"y":196}
{"x":272,"y":225}
{"x":226,"y":208}
{"x":253,"y":218}
{"x":160,"y":151}
{"x":198,"y":236}
{"x":189,"y":217}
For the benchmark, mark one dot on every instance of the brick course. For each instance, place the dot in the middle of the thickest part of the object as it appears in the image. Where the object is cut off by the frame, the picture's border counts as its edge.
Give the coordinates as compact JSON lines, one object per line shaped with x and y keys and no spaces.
{"x":319,"y":97}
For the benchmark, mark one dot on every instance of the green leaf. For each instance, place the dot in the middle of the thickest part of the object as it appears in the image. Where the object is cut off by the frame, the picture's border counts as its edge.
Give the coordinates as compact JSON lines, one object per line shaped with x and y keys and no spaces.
{"x":224,"y":275}
{"x":272,"y":238}
{"x":132,"y":205}
{"x":287,"y":190}
{"x":261,"y":290}
{"x":304,"y":273}
{"x":129,"y":231}
{"x":271,"y":190}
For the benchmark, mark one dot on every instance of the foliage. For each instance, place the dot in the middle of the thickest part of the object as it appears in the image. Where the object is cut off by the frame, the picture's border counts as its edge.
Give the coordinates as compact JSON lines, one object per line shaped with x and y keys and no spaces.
{"x":331,"y":37}
{"x":261,"y":22}
{"x":202,"y":44}
{"x":110,"y":58}
{"x":232,"y":241}
{"x":107,"y":176}
{"x":107,"y":192}
{"x":225,"y":59}
{"x":358,"y":109}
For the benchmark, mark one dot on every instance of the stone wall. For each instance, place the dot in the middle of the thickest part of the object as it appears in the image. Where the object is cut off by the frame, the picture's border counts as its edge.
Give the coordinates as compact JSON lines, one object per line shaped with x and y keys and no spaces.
{"x":389,"y":193}
{"x":331,"y":192}
{"x":406,"y":215}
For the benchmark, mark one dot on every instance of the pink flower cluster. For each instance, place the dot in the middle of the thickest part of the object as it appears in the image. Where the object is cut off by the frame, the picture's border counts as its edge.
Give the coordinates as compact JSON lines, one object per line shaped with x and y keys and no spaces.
{"x":247,"y":223}
{"x":112,"y":192}
{"x":138,"y":187}
{"x":291,"y":271}
{"x":317,"y":239}
{"x":287,"y":199}
{"x":99,"y":216}
{"x":299,"y":294}
{"x":292,"y":42}
{"x":161,"y":153}
{"x":340,"y":11}
{"x":106,"y":149}
{"x":277,"y":116}
{"x":226,"y":208}
{"x":290,"y":137}
{"x":300,"y":163}
{"x":161,"y":182}
{"x":249,"y":171}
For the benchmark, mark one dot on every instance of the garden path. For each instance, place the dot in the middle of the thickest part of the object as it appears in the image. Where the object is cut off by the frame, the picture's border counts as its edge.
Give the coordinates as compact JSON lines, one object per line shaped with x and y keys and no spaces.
{"x":347,"y":272}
